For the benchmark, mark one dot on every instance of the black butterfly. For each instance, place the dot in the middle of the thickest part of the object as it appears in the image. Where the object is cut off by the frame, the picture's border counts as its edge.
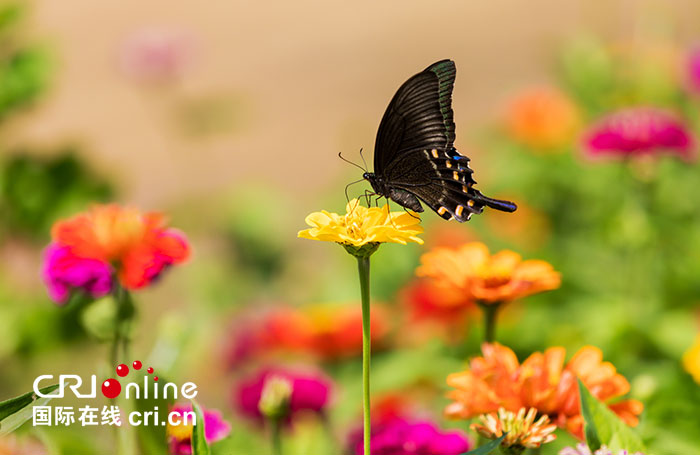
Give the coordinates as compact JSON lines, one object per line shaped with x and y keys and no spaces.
{"x":414,"y":156}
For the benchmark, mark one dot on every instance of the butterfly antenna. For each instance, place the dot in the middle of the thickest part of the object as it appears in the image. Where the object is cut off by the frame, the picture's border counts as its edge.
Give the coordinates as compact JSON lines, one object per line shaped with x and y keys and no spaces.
{"x":340,"y":155}
{"x":363,"y":159}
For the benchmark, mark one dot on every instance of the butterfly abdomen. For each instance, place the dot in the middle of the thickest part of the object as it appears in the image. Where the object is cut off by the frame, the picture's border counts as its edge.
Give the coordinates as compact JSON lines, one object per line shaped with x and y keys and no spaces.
{"x":405,"y":199}
{"x":498,"y":204}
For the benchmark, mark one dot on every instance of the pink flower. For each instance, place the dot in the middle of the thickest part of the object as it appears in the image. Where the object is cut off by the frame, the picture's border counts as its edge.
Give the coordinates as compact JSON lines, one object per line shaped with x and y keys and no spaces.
{"x":156,"y":54}
{"x":64,"y":272}
{"x":180,"y":436}
{"x":310,"y":392}
{"x":401,"y":437}
{"x":639,"y":131}
{"x":693,"y":70}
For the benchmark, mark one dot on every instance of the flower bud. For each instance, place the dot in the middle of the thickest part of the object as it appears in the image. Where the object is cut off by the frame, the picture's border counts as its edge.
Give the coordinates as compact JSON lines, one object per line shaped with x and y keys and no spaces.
{"x":275,"y":397}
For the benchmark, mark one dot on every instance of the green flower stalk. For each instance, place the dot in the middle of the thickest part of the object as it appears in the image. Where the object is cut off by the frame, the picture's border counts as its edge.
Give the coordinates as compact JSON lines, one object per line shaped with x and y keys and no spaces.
{"x":361,"y":231}
{"x":363,"y":269}
{"x":490,"y":312}
{"x":122,"y":325}
{"x":274,"y":405}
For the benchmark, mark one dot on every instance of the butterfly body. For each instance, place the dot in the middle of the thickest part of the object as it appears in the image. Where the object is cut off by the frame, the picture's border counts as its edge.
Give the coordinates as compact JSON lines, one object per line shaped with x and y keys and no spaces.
{"x":414,"y":157}
{"x":401,"y":197}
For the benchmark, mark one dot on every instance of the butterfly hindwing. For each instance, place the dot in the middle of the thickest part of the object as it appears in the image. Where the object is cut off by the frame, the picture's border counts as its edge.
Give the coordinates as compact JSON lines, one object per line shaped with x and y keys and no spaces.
{"x":447,"y":187}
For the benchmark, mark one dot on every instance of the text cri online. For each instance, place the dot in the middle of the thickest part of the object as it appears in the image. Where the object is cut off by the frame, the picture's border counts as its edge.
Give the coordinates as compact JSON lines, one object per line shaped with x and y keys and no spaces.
{"x":151,"y":418}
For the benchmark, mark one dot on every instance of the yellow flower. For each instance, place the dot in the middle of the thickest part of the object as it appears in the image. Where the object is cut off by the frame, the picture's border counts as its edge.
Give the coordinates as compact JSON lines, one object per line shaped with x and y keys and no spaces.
{"x":523,"y":431}
{"x":361,"y":226}
{"x":691,"y":359}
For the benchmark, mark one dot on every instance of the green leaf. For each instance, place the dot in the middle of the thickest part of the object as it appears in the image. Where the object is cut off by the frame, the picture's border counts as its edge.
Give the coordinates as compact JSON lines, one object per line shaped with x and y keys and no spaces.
{"x":589,"y":427}
{"x":602,"y":426}
{"x":152,"y":438}
{"x":199,"y":442}
{"x":488,"y":448}
{"x":99,"y":318}
{"x":15,"y":411}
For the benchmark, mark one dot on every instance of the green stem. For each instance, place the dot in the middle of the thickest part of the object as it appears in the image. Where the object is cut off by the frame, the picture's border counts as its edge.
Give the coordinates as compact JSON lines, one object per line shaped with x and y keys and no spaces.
{"x":114,"y":350}
{"x":276,"y":435}
{"x":328,"y":428}
{"x":490,"y":314}
{"x":126,"y":443}
{"x":363,"y":268}
{"x":122,"y":326}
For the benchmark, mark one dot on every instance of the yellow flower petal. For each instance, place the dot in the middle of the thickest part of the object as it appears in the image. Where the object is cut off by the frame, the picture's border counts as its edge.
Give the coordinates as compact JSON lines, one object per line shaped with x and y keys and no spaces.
{"x":691,"y":360}
{"x":362,"y":225}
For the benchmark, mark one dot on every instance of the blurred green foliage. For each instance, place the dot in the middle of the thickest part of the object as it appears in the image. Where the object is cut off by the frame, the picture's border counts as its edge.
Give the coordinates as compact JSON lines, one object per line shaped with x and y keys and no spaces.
{"x":23,"y":68}
{"x":37,"y":190}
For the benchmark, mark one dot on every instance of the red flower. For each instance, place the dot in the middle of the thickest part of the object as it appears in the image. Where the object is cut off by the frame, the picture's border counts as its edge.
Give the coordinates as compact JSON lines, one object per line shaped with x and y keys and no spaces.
{"x":138,"y":246}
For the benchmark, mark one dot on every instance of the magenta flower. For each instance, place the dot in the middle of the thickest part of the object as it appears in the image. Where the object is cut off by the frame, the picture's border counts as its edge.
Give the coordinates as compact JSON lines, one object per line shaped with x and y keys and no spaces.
{"x":64,"y":272}
{"x":180,"y":436}
{"x":693,"y":70}
{"x":310,"y":392}
{"x":401,"y":437}
{"x":639,"y":131}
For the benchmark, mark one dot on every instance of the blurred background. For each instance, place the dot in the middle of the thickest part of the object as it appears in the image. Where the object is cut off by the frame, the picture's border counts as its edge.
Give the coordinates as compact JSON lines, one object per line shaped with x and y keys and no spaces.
{"x":229,"y":116}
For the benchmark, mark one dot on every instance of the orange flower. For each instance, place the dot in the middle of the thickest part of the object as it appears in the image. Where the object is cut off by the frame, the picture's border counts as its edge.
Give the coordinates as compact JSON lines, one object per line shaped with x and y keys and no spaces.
{"x":486,"y":278}
{"x":284,"y":328}
{"x":542,"y":118}
{"x":327,"y":331}
{"x":542,"y":381}
{"x":335,"y":331}
{"x":432,"y":308}
{"x":139,"y":246}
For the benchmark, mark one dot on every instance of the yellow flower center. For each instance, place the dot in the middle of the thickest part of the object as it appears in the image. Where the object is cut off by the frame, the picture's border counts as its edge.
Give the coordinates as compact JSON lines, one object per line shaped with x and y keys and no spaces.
{"x":181,"y":432}
{"x":493,"y":277}
{"x":354,"y":226}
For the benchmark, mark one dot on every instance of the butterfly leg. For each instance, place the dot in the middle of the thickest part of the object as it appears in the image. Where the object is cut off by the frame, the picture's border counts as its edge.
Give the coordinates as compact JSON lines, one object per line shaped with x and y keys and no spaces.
{"x":368,"y":197}
{"x":411,"y":213}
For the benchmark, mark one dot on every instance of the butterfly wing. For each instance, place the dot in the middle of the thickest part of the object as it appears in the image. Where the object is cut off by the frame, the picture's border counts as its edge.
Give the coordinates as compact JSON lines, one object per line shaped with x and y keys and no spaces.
{"x":414,"y":150}
{"x":418,"y":117}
